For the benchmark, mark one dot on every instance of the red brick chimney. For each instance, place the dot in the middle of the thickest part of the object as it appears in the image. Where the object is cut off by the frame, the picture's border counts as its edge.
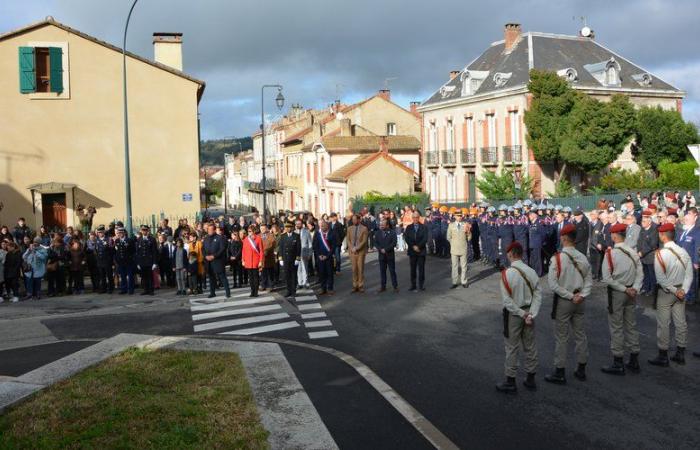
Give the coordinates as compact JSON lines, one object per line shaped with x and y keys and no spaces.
{"x":453,"y":74}
{"x":512,"y":34}
{"x":385,"y":94}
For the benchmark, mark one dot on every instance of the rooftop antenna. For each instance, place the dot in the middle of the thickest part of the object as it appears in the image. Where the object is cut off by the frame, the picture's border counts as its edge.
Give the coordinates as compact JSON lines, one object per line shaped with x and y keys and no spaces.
{"x":387,"y":81}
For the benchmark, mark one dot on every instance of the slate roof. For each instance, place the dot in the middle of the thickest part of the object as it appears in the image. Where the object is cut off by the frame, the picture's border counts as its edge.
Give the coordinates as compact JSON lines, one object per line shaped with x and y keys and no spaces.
{"x":550,"y":52}
{"x":344,"y":173}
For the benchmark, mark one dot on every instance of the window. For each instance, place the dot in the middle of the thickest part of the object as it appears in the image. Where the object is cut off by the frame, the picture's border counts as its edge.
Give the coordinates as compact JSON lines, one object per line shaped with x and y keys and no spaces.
{"x":391,"y":129}
{"x":514,"y":127}
{"x":41,"y":70}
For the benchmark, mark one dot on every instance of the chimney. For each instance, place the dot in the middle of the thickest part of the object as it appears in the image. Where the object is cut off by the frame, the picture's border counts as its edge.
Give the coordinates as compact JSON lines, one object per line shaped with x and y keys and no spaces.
{"x":345,"y":127}
{"x":385,"y":94}
{"x":167,"y":49}
{"x":453,"y":74}
{"x":414,"y":108}
{"x":512,"y":35}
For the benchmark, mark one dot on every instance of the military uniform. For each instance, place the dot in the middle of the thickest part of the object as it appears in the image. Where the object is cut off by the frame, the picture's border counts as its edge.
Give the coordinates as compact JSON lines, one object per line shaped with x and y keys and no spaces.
{"x":521,"y":294}
{"x":569,"y":274}
{"x":622,"y":270}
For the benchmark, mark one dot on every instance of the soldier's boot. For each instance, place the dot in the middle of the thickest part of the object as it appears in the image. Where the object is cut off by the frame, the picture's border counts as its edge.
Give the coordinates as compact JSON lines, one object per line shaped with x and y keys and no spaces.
{"x":557,"y":377}
{"x":679,"y":357}
{"x":529,"y":382}
{"x":616,"y":368}
{"x":508,"y":386}
{"x":580,"y":372}
{"x":661,"y":359}
{"x":633,"y":363}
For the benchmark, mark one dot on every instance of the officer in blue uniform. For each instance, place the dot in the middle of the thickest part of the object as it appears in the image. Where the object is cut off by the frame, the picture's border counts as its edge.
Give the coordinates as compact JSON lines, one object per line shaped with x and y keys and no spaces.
{"x":535,"y":241}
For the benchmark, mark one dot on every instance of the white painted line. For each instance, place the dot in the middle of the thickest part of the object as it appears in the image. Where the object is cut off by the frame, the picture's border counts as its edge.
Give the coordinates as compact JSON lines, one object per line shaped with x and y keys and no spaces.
{"x":318,"y":324}
{"x":237,"y":322}
{"x":308,"y":307}
{"x":233,"y":312}
{"x":323,"y":334}
{"x":264,"y":329}
{"x":305,"y":298}
{"x":316,"y":315}
{"x":230,"y":303}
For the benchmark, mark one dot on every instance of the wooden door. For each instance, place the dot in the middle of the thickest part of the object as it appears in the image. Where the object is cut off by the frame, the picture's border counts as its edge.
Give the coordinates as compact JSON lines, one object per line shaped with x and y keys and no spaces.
{"x":53,"y":207}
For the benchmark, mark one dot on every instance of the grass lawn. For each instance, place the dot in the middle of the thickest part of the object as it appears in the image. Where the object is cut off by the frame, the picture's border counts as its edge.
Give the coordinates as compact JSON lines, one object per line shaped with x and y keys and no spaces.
{"x":142,"y":399}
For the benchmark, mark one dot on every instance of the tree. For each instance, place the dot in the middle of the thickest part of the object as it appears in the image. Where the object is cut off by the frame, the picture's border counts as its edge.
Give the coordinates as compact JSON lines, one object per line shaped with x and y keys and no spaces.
{"x":662,"y":135}
{"x":503,"y":186}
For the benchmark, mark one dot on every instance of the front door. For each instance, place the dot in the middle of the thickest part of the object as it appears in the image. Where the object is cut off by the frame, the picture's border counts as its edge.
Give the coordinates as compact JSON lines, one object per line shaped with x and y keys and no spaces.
{"x":471,"y":185}
{"x":53,"y":207}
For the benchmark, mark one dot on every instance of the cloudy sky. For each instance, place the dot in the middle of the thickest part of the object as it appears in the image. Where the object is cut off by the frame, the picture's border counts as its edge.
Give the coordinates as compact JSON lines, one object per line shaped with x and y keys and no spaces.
{"x":324,"y":49}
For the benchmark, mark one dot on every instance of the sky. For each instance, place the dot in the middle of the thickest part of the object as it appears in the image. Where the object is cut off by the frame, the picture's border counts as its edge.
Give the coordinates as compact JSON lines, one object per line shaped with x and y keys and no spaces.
{"x":323,"y":50}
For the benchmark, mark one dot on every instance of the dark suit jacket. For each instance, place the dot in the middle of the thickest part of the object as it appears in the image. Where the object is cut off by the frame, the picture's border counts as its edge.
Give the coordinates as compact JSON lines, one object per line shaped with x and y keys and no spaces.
{"x":413,"y":237}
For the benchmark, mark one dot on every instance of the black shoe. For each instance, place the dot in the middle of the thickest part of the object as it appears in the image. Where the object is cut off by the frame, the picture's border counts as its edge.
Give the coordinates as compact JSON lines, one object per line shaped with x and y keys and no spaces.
{"x":508,"y":386}
{"x":454,"y":286}
{"x":616,"y":368}
{"x":661,"y":359}
{"x":679,"y":357}
{"x":580,"y":372}
{"x":556,"y":377}
{"x":529,"y":382}
{"x":633,"y":363}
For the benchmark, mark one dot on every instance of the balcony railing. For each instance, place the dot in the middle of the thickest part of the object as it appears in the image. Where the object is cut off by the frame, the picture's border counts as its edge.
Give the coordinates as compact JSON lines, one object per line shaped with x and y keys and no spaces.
{"x":489,"y":155}
{"x":468,"y":156}
{"x":512,"y":154}
{"x":432,"y":158}
{"x":449,"y":157}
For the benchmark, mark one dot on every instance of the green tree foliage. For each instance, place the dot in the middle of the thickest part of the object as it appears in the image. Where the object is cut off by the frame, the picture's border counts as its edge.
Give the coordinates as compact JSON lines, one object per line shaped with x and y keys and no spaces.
{"x":503,"y":186}
{"x":662,"y":135}
{"x":570,"y":128}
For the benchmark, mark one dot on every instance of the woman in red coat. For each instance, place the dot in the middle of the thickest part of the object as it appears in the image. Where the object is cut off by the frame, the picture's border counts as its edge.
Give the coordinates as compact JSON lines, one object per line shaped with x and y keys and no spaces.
{"x":252,"y":256}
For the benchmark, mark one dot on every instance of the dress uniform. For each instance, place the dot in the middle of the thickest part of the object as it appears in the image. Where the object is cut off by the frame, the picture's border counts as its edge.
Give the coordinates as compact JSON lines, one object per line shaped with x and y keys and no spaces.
{"x":146,"y":256}
{"x":569,"y":276}
{"x":104,"y":255}
{"x":289,"y":254}
{"x":522,"y":297}
{"x":674,"y":271}
{"x":623,"y":274}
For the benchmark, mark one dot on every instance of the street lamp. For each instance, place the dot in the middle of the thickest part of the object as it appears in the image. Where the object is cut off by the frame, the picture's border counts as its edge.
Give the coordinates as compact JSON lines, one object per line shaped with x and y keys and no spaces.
{"x":279,"y":100}
{"x":127,"y":169}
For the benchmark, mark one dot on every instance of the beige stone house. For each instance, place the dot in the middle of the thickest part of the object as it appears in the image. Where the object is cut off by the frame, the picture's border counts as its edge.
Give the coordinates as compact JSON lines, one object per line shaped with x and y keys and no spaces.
{"x":62,"y":142}
{"x":474,"y":121}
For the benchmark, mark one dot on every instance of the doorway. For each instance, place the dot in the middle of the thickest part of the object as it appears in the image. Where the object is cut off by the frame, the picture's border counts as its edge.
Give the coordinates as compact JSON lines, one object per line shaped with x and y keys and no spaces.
{"x":53,"y":210}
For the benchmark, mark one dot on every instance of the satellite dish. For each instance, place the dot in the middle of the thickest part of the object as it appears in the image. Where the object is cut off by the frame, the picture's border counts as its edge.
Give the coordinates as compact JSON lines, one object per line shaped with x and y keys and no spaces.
{"x":586,"y":32}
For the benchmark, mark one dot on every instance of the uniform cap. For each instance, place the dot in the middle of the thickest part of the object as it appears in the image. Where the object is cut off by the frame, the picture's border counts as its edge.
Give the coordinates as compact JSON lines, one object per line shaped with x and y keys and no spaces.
{"x":514,"y":244}
{"x":663,"y":228}
{"x":618,"y":228}
{"x":569,"y":228}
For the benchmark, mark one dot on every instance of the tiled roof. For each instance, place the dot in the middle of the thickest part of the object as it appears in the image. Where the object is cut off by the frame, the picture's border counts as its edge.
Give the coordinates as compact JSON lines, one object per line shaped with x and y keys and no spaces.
{"x":499,"y":70}
{"x":369,"y":143}
{"x":362,"y":161}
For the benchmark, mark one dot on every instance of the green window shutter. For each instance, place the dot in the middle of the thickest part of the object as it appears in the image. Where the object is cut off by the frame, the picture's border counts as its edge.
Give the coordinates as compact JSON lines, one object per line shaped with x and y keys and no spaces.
{"x":56,"y":62}
{"x":27,"y":73}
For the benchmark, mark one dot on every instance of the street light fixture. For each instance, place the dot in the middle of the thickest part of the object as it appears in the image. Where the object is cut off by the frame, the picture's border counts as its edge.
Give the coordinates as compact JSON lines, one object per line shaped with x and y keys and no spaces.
{"x":279,"y":100}
{"x":127,"y":168}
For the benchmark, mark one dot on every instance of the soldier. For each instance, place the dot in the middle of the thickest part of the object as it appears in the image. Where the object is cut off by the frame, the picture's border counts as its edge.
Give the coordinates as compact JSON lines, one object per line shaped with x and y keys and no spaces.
{"x":647,"y":245}
{"x":505,"y":234}
{"x":289,"y":255}
{"x":522,"y":298}
{"x":570,"y":279}
{"x":623,"y":274}
{"x":535,"y":239}
{"x":458,"y":236}
{"x":124,"y":260}
{"x":674,"y":275}
{"x":146,"y":256}
{"x":104,"y":254}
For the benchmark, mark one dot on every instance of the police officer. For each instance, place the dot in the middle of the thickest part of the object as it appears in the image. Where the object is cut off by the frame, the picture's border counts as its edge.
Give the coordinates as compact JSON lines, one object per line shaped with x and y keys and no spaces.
{"x":146,"y":254}
{"x":522,"y":298}
{"x":570,"y":280}
{"x":535,"y":238}
{"x":124,"y":251}
{"x":104,"y":254}
{"x":289,"y":254}
{"x":674,"y":276}
{"x":623,"y":274}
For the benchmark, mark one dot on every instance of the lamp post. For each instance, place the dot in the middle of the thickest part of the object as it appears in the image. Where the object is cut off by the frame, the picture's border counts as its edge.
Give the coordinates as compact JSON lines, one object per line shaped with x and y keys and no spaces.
{"x":279,"y":100}
{"x":127,"y":168}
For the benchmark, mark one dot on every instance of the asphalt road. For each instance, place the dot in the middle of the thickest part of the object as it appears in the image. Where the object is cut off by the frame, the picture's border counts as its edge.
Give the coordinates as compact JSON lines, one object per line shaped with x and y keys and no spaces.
{"x":442,"y":351}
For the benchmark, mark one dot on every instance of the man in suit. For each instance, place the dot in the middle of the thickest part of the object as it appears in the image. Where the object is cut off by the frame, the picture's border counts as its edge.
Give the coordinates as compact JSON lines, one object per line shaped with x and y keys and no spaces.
{"x":356,"y":244}
{"x":214,"y":251}
{"x":458,"y":237}
{"x":324,"y":245}
{"x":647,"y":244}
{"x":289,"y":255}
{"x":595,"y":237}
{"x":385,"y":242}
{"x":416,"y":236}
{"x":338,"y":231}
{"x":146,"y":259}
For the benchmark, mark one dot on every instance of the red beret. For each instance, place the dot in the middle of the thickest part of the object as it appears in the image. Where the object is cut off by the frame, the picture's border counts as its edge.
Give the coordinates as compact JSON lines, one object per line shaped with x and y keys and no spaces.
{"x":514,"y":244}
{"x":618,"y":228}
{"x":569,"y":228}
{"x":652,"y":206}
{"x":647,"y":212}
{"x":672,"y":211}
{"x":666,"y":227}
